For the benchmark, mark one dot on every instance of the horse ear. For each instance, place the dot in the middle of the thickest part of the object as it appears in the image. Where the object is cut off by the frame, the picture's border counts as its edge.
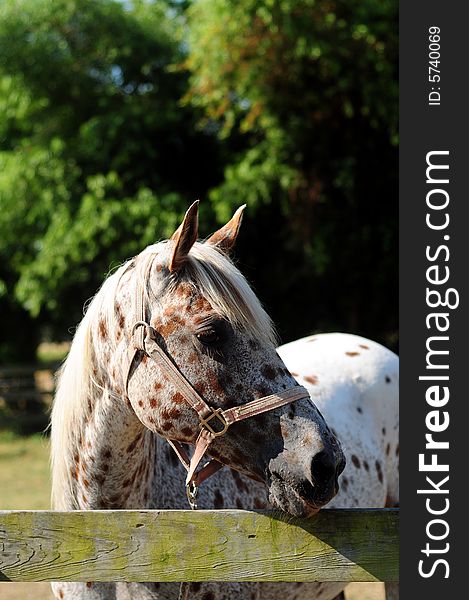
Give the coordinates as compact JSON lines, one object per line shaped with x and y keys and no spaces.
{"x":225,"y":238}
{"x":184,"y":237}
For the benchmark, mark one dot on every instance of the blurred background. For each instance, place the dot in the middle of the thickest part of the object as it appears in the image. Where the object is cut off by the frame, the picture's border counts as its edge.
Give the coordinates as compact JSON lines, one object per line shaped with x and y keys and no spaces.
{"x":116,"y":115}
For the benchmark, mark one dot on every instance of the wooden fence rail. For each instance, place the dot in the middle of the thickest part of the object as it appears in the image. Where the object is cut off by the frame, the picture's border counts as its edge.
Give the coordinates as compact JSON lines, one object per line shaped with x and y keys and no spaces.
{"x":25,"y":396}
{"x":179,"y":545}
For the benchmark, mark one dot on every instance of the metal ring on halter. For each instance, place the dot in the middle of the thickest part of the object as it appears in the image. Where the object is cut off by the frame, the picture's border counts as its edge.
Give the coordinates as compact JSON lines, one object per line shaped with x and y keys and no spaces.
{"x":139,"y":338}
{"x":139,"y":324}
{"x":217,"y":414}
{"x":191,"y":491}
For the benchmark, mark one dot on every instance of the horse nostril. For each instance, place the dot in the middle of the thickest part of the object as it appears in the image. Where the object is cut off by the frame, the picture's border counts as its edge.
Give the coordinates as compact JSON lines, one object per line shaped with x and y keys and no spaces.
{"x":323,"y":467}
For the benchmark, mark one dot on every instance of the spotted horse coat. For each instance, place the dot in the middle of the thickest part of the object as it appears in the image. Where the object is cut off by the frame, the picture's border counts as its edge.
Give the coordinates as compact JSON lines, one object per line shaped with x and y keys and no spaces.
{"x":107,"y":434}
{"x":355,"y":384}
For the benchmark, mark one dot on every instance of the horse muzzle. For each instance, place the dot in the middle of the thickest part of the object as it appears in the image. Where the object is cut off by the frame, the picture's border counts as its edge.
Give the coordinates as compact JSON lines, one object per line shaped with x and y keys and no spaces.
{"x":303,"y":494}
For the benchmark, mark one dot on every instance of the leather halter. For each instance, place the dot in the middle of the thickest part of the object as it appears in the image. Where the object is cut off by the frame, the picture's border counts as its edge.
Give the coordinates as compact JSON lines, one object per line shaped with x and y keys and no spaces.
{"x":213,"y":422}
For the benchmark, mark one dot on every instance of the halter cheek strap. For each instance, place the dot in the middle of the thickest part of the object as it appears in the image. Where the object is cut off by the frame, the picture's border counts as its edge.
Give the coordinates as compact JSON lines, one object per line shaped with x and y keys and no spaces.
{"x":214,"y":422}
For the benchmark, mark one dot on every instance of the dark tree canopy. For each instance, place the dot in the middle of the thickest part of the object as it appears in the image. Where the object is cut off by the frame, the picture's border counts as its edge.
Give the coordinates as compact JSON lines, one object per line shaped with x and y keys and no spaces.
{"x":115,"y":116}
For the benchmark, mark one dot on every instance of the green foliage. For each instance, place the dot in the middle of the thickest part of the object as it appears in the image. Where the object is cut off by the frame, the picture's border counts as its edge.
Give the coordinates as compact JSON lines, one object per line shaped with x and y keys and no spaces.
{"x":304,"y":94}
{"x":116,"y":115}
{"x":92,"y":144}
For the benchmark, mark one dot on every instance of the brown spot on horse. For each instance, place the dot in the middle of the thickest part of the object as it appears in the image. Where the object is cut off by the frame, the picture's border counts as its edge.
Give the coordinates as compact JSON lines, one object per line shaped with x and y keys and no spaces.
{"x":215,"y":385}
{"x":352,"y":353}
{"x":200,"y":387}
{"x":263,"y":390}
{"x":312,"y":379}
{"x":268,"y":372}
{"x":167,"y":329}
{"x":121,"y":321}
{"x":240,"y":484}
{"x":218,"y":501}
{"x":169,"y":311}
{"x":172,"y":413}
{"x":178,"y":398}
{"x":184,"y":290}
{"x":202,"y":304}
{"x":379,"y":471}
{"x":102,"y":328}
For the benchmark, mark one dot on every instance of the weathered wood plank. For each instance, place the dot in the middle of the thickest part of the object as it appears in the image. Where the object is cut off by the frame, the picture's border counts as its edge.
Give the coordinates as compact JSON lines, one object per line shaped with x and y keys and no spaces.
{"x":222,"y":545}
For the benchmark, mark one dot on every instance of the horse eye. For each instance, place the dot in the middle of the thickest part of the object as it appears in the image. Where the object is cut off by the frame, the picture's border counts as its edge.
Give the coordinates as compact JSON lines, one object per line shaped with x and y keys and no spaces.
{"x":208,"y":337}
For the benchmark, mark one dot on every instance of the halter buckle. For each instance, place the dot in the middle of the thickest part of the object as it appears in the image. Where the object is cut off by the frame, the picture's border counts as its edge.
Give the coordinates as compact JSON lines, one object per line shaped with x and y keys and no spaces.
{"x":191,"y":491}
{"x":217,"y":414}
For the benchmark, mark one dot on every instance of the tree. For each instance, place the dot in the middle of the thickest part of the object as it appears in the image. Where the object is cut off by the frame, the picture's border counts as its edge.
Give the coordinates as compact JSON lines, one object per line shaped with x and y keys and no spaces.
{"x":97,"y":157}
{"x":304,"y":95}
{"x":115,"y":116}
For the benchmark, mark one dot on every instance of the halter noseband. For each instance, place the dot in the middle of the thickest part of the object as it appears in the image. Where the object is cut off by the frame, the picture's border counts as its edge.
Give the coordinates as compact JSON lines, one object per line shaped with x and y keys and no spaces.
{"x":213,"y":422}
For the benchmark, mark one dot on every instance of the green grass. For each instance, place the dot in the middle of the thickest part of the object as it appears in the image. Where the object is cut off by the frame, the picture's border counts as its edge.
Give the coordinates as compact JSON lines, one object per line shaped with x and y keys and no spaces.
{"x":52,"y":352}
{"x":24,"y":472}
{"x":24,"y":484}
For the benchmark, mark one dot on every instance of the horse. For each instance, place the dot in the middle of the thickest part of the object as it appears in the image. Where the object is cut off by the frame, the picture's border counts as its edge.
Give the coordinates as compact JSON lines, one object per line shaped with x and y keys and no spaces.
{"x":175,"y":347}
{"x":355,"y":384}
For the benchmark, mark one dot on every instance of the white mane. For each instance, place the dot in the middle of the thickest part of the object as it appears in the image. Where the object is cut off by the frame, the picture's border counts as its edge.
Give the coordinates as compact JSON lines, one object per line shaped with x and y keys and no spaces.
{"x":217,"y":279}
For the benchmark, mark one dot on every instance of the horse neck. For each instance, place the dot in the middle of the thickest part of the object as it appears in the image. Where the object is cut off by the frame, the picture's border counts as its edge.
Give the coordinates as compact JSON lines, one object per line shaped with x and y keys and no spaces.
{"x":114,"y":462}
{"x":111,"y":454}
{"x":118,"y":451}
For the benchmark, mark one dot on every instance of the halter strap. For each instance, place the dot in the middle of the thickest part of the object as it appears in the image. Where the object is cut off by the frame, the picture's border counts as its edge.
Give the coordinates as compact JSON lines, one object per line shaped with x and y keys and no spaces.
{"x":214,"y":422}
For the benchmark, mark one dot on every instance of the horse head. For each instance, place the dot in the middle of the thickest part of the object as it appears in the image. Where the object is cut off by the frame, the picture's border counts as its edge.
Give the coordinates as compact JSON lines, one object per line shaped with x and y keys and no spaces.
{"x":199,"y":348}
